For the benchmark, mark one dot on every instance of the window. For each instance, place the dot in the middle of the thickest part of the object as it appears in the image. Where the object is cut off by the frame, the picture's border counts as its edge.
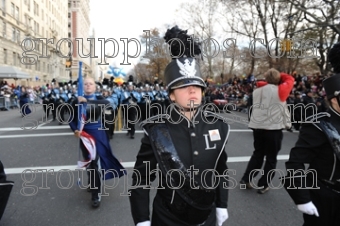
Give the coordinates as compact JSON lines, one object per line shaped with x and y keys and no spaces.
{"x":14,"y":34}
{"x":17,"y":13}
{"x":29,"y":5}
{"x":5,"y":56}
{"x":34,"y":26}
{"x":37,"y":65}
{"x":18,"y":36}
{"x":12,"y":9}
{"x":18,"y":59}
{"x":3,"y":7}
{"x":14,"y":58}
{"x":4,"y":29}
{"x":37,"y":44}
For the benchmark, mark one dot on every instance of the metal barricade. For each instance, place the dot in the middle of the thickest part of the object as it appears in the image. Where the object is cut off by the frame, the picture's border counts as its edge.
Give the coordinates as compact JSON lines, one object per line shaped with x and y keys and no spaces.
{"x":14,"y":103}
{"x":2,"y":103}
{"x":37,"y":100}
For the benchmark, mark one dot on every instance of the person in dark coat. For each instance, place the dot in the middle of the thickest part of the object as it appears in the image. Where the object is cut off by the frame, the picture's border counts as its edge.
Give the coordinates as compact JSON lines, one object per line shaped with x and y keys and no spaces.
{"x":23,"y":102}
{"x":186,"y":148}
{"x":99,"y":160}
{"x":316,"y":191}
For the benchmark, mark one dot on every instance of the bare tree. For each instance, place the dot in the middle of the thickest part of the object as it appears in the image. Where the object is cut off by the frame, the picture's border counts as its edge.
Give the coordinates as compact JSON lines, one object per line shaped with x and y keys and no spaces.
{"x":201,"y":16}
{"x":157,"y":55}
{"x":319,"y":13}
{"x":266,"y":19}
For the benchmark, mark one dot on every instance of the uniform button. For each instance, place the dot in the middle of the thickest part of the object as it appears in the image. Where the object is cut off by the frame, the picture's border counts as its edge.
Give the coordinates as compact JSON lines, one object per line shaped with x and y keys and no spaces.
{"x":195,"y":152}
{"x":193,"y":134}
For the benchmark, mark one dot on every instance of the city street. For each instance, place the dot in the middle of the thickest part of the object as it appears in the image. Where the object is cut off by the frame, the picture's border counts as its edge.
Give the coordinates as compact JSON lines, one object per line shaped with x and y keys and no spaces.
{"x":52,"y":196}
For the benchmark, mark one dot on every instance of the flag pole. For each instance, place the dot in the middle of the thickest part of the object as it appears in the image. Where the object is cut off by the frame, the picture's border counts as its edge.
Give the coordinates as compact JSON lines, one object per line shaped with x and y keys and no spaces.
{"x":80,"y":93}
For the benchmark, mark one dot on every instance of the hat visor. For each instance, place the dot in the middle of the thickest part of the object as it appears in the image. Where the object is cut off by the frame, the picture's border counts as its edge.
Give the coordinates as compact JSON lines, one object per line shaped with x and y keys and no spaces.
{"x":188,"y":82}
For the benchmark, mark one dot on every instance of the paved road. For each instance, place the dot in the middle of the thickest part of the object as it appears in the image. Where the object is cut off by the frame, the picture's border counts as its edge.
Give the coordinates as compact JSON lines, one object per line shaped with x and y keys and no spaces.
{"x":38,"y":199}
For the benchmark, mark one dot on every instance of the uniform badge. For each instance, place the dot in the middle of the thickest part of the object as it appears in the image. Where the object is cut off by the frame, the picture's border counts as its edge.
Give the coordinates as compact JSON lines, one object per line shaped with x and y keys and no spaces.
{"x":214,"y":135}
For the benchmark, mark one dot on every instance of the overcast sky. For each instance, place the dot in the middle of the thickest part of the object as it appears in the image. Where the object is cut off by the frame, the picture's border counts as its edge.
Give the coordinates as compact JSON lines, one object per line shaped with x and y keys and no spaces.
{"x":128,"y":19}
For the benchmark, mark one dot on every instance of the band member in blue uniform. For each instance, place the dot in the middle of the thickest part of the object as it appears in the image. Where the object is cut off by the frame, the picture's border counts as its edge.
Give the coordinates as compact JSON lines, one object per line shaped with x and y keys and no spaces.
{"x":316,"y":191}
{"x":60,"y":104}
{"x":104,"y":158}
{"x":110,"y":112}
{"x":185,"y":142}
{"x":142,"y":103}
{"x":158,"y":99}
{"x":131,"y":99}
{"x":45,"y":101}
{"x":54,"y":96}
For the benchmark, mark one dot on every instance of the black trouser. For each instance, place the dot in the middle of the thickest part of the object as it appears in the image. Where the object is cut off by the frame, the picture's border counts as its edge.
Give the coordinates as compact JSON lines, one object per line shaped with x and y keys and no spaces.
{"x":46,"y":109}
{"x":94,"y":176}
{"x":327,"y":202}
{"x":5,"y":190}
{"x":131,"y":113}
{"x":60,"y":112}
{"x":115,"y":119}
{"x":156,"y":110}
{"x":54,"y":111}
{"x":267,"y":143}
{"x":161,"y":216}
{"x":109,"y":125}
{"x":142,"y":107}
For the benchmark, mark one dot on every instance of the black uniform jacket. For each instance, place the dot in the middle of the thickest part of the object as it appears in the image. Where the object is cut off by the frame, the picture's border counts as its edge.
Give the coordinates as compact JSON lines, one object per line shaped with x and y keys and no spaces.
{"x":200,"y":143}
{"x":313,"y":148}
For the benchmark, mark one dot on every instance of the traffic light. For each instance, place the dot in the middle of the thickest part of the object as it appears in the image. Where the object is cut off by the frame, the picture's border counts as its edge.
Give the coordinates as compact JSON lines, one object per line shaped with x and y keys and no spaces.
{"x":68,"y":63}
{"x":286,"y":45}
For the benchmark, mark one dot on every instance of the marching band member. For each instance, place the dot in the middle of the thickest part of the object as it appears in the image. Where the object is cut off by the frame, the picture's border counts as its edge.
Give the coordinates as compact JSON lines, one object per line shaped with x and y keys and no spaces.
{"x":192,"y":143}
{"x":131,"y":98}
{"x":104,"y":158}
{"x":54,"y":96}
{"x":316,"y":192}
{"x":45,"y":101}
{"x":63,"y":98}
{"x":159,"y":99}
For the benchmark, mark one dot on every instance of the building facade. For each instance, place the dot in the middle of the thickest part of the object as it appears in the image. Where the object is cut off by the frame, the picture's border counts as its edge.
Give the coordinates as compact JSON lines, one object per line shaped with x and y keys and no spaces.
{"x":79,"y":32}
{"x":32,"y":34}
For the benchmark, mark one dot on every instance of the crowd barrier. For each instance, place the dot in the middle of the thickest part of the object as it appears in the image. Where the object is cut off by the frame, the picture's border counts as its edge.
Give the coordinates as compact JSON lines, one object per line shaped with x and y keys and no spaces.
{"x":8,"y":103}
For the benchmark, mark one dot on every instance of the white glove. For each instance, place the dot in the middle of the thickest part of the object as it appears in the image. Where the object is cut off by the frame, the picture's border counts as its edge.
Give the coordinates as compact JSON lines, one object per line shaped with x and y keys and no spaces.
{"x":144,"y":223}
{"x":308,"y":208}
{"x":221,"y":215}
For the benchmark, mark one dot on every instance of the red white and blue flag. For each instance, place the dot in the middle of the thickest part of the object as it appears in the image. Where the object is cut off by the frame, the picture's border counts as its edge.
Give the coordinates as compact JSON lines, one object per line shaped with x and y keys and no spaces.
{"x":87,"y":139}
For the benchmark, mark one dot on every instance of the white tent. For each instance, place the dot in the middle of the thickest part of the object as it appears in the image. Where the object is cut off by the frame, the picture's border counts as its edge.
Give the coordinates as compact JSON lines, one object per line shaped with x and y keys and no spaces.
{"x":10,"y":72}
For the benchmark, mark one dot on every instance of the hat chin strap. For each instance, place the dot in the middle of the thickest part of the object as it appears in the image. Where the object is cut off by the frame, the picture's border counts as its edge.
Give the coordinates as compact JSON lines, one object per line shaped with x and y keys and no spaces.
{"x":338,"y":99}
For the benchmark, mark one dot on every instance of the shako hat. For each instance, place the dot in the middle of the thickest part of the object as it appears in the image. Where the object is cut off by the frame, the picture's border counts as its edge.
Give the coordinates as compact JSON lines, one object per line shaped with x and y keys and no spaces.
{"x":332,"y":84}
{"x":183,"y":70}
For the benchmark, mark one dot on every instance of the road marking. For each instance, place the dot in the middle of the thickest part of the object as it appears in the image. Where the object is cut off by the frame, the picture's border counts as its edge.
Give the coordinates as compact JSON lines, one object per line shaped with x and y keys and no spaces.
{"x":39,"y":127}
{"x":125,"y":164}
{"x":44,"y":123}
{"x":70,"y":133}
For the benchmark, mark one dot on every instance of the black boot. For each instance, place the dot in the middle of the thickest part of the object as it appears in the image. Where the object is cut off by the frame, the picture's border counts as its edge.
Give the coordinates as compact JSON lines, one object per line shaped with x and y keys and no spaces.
{"x":95,"y":199}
